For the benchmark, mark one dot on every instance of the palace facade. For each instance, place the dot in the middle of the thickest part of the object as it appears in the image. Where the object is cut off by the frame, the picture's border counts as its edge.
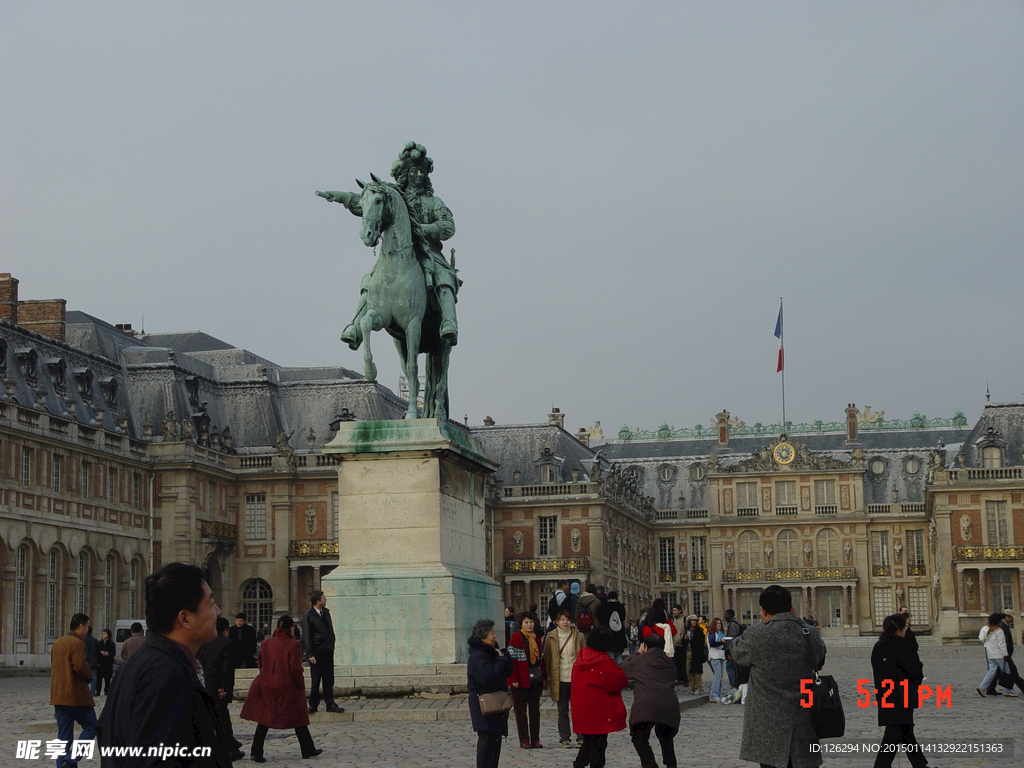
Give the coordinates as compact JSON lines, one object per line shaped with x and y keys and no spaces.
{"x":121,"y":451}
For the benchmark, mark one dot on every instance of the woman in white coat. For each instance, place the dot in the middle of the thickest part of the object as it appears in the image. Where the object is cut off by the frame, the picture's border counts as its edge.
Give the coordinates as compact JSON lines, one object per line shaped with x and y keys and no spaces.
{"x":992,"y":637}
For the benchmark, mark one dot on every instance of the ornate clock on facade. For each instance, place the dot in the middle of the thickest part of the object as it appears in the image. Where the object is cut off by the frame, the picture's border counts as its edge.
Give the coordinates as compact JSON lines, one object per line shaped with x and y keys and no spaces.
{"x":783,"y":453}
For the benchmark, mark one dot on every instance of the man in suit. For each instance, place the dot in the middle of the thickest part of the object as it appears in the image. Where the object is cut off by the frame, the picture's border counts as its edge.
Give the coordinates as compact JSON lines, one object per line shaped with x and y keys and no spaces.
{"x":217,"y":658}
{"x":318,"y":644}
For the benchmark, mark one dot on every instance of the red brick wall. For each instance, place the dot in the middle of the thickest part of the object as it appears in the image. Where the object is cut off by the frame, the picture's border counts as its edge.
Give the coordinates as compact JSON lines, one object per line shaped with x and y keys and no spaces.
{"x":45,"y":316}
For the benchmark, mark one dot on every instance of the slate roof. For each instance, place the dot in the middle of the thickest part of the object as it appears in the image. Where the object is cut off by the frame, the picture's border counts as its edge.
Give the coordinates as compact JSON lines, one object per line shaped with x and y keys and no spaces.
{"x":521,"y":446}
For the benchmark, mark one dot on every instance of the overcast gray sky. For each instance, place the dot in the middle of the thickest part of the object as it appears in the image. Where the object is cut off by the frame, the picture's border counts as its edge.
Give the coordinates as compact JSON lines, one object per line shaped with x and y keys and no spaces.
{"x":634,"y":185}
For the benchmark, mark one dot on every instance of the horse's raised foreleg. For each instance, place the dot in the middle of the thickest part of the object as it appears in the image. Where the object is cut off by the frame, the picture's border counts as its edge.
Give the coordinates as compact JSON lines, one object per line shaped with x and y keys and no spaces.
{"x":409,"y":364}
{"x":367,"y":323}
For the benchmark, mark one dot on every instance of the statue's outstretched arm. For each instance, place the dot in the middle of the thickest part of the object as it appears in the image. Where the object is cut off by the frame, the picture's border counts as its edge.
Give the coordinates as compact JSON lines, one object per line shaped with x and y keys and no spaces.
{"x":349,"y":199}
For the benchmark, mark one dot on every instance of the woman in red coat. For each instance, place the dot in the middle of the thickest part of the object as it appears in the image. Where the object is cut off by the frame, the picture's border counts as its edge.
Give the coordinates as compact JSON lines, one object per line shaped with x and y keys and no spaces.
{"x":277,"y":698}
{"x":596,"y":698}
{"x":527,"y":680}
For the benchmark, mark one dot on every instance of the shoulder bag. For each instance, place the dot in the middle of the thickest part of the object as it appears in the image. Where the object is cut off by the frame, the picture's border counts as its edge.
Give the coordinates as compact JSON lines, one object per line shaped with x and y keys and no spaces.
{"x":826,"y":705}
{"x":494,"y":703}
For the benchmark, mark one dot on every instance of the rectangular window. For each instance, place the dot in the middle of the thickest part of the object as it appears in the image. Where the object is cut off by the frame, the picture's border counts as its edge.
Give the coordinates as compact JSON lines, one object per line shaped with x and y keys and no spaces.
{"x":1001,"y":581}
{"x":546,"y":542}
{"x":667,"y":557}
{"x":58,"y":467}
{"x":335,"y":513}
{"x":670,"y":600}
{"x":996,"y":523}
{"x":256,"y":516}
{"x":108,"y":590}
{"x":917,"y":604}
{"x":702,"y":604}
{"x":880,"y":554}
{"x":112,"y":485}
{"x":26,"y":466}
{"x":136,"y":491}
{"x":133,"y":588}
{"x":86,"y":471}
{"x":53,"y":621}
{"x":82,"y":591}
{"x":825,"y":497}
{"x":699,"y":553}
{"x":882,"y":604}
{"x":785,"y":497}
{"x":915,"y":553}
{"x":746,"y":499}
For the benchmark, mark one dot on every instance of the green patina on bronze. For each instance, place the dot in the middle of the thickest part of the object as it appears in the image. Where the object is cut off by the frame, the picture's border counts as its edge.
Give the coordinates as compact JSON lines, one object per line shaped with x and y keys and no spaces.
{"x":412,"y":290}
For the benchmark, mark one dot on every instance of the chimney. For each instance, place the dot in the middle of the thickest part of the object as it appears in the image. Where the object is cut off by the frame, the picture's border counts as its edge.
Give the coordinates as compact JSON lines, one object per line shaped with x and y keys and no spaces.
{"x":8,"y":298}
{"x":851,"y":423}
{"x":45,"y":316}
{"x":488,"y":421}
{"x":125,"y":328}
{"x":556,"y":418}
{"x":583,"y":436}
{"x":723,"y":428}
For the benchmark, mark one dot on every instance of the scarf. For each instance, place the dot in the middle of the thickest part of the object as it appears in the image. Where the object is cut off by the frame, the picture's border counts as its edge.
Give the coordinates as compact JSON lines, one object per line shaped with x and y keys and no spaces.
{"x":531,"y":646}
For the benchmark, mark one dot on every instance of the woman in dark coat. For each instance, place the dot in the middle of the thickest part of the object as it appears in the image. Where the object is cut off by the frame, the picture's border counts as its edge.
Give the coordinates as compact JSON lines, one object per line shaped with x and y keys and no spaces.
{"x":277,"y":697}
{"x":487,"y":671}
{"x":106,"y":667}
{"x":696,"y":640}
{"x":655,"y":706}
{"x":892,"y":662}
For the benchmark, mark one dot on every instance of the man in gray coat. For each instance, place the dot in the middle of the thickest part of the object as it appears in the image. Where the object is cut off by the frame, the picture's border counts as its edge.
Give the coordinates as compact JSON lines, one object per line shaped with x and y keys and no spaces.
{"x":777,"y":731}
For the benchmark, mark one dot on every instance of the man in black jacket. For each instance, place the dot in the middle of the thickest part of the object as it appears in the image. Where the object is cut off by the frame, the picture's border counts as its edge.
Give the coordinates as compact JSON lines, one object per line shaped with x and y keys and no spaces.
{"x":217,"y":658}
{"x":318,"y":643}
{"x":158,"y":698}
{"x":244,"y":642}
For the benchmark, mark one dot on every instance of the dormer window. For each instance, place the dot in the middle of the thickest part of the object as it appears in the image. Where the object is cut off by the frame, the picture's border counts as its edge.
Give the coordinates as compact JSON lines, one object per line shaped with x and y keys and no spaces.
{"x":991,"y":457}
{"x":547,"y":473}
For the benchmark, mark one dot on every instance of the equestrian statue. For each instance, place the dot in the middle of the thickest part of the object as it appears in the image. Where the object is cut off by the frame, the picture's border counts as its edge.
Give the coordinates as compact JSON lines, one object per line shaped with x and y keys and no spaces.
{"x":412,"y":289}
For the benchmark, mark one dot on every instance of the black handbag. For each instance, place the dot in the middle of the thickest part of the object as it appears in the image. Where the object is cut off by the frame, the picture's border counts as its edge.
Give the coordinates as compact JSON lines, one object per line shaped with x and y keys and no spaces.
{"x":1005,"y":679}
{"x":536,"y":676}
{"x":826,"y":707}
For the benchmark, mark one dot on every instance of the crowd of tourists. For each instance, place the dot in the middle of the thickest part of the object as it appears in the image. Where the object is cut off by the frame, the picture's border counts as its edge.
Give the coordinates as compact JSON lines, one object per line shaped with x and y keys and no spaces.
{"x":174,"y":684}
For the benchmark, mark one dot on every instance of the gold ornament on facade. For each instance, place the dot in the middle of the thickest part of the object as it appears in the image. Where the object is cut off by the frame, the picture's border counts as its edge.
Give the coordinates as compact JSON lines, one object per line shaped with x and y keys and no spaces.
{"x":313,"y":548}
{"x":547,"y":566}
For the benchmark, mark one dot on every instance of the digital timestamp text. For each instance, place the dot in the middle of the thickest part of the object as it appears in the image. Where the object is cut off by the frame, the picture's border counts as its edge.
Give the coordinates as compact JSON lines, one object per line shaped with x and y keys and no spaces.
{"x":892,"y":694}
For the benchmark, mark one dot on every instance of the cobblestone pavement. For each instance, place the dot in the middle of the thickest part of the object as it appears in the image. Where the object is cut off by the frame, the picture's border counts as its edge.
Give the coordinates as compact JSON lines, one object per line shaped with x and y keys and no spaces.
{"x":709,"y":734}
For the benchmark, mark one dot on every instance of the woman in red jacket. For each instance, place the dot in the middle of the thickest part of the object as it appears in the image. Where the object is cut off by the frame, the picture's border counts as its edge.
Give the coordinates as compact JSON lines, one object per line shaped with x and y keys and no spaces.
{"x":526,"y":680}
{"x":277,"y":697}
{"x":596,"y":698}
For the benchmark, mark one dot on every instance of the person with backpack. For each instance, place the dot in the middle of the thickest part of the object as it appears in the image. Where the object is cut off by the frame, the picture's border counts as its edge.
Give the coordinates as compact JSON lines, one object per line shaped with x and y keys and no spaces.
{"x":558,"y":601}
{"x":596,"y":701}
{"x":586,"y":610}
{"x":612,"y":614}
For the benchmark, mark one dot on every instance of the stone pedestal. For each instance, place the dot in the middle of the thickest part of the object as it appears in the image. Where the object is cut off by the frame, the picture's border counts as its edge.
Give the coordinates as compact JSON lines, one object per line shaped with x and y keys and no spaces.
{"x":411,"y":579}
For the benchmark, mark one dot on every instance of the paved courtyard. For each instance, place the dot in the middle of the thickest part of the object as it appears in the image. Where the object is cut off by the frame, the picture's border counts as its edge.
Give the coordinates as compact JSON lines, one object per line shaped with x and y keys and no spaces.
{"x":376,"y":732}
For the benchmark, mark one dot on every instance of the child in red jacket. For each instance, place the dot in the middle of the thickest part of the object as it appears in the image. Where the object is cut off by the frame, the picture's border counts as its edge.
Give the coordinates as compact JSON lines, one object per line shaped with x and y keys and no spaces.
{"x":596,"y":698}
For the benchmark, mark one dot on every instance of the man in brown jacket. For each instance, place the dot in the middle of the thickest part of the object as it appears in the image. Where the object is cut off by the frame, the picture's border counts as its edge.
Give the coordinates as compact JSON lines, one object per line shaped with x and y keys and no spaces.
{"x":69,"y":688}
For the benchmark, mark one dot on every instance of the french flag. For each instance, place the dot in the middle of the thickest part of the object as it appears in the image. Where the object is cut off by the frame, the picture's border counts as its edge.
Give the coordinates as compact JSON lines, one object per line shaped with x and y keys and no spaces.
{"x":778,"y":335}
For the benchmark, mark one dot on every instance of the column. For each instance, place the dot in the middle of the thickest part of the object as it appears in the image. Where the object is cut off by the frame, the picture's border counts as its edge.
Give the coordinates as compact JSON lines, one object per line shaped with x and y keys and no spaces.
{"x":961,"y":593}
{"x":316,"y":577}
{"x":982,"y":589}
{"x":848,"y":607}
{"x":854,"y":598}
{"x":295,"y":598}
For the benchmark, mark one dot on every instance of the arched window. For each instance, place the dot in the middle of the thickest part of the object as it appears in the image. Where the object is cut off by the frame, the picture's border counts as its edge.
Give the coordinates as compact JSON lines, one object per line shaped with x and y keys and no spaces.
{"x":788,"y":554}
{"x":109,"y":580}
{"x":748,"y":553}
{"x":82,"y":590}
{"x":828,"y":548}
{"x":54,"y":619}
{"x":21,"y":567}
{"x":258,"y":604}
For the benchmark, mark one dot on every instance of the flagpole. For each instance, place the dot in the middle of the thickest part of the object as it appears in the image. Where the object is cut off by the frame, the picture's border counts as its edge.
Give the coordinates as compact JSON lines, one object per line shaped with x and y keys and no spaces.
{"x":782,"y":347}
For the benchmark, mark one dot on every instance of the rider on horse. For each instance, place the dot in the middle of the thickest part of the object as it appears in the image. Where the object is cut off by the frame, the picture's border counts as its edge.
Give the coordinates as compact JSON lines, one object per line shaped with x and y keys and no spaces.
{"x":411,"y":172}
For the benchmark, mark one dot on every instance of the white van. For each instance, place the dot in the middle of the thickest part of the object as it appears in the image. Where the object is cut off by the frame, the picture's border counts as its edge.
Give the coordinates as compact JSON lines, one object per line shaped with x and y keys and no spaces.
{"x":123,"y":630}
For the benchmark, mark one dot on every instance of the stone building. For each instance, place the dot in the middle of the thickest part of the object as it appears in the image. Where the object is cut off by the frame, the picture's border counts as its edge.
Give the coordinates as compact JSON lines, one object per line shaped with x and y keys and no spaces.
{"x":122,"y":451}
